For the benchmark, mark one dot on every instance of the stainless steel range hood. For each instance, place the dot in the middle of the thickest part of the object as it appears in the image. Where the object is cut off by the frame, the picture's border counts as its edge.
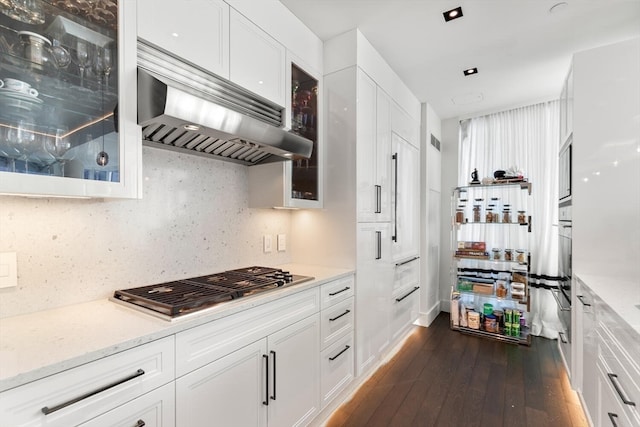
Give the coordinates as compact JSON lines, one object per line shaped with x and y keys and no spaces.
{"x":185,"y":108}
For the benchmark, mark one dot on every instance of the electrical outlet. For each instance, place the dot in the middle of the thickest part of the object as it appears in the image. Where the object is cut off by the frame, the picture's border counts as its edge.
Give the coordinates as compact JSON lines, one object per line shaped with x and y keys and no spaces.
{"x":266,"y":242}
{"x":282,"y":242}
{"x":8,"y":270}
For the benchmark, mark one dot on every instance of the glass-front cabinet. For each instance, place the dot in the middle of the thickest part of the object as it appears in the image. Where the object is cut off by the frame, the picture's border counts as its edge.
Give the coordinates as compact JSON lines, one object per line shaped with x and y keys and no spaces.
{"x":68,"y":98}
{"x":297,"y":183}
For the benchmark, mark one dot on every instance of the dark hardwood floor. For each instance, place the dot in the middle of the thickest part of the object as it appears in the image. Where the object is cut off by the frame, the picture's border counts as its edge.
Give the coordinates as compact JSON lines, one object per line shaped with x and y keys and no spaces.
{"x":445,"y":378}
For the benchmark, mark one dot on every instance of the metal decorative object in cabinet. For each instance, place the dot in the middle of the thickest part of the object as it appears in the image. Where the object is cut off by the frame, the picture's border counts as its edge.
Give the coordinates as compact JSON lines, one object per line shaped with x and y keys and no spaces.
{"x":490,"y":236}
{"x":63,"y":119}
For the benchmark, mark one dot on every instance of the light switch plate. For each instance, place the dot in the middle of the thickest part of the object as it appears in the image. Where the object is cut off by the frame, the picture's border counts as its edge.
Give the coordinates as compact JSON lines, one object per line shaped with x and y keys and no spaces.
{"x":266,"y":242}
{"x":282,"y":242}
{"x":8,"y":270}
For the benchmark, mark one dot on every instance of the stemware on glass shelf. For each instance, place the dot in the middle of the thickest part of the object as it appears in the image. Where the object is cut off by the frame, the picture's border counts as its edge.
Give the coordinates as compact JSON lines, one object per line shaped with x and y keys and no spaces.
{"x":81,"y":57}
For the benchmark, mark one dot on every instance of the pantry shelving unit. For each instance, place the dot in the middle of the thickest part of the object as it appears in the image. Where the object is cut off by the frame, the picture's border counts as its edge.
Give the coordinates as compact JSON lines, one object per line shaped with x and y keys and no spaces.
{"x":490,"y":241}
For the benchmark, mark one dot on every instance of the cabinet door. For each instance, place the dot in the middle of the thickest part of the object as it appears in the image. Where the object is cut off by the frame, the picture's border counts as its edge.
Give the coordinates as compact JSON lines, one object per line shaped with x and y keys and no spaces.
{"x":230,"y":390}
{"x":154,"y":409}
{"x":294,"y":383}
{"x":336,"y":368}
{"x":405,"y":199}
{"x":590,"y":350}
{"x":179,"y":29}
{"x":373,"y":290}
{"x":69,"y":130}
{"x":404,"y":310}
{"x":257,"y":60}
{"x":383,"y":154}
{"x":368,"y":190}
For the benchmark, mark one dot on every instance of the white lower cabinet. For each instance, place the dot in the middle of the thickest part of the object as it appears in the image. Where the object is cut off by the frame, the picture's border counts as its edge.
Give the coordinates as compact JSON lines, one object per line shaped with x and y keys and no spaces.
{"x":154,"y":409}
{"x":230,"y":390}
{"x":80,"y":394}
{"x":404,"y":311}
{"x":336,"y":368}
{"x":272,"y":380}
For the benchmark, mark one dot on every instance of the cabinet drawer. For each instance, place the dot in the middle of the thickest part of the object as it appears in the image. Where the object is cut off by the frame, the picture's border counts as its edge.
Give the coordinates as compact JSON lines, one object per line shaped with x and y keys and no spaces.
{"x":611,"y":408}
{"x":619,"y":369}
{"x":337,"y":320}
{"x":336,"y":368}
{"x":203,"y":344}
{"x":154,"y":409}
{"x":82,"y":393}
{"x":404,"y":310}
{"x":335,"y":291}
{"x":406,"y":275}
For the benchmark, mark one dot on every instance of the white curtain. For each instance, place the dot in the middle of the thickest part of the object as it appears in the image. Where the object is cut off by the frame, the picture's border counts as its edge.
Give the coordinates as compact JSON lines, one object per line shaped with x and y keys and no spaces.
{"x":526,"y":139}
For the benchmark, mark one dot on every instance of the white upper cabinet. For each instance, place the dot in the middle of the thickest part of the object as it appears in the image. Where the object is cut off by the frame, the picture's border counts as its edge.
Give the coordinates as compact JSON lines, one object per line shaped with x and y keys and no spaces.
{"x":405,"y":200}
{"x":69,"y":130}
{"x":257,"y":60}
{"x":404,"y":125}
{"x":373,"y":150}
{"x":195,"y":30}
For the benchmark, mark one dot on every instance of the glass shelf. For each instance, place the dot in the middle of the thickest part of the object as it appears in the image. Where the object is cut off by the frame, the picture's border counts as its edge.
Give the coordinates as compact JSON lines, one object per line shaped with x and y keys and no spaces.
{"x":524,"y":338}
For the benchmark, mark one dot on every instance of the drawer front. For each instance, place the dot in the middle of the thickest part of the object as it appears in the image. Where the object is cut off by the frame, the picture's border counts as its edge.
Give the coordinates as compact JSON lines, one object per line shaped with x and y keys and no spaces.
{"x":336,"y":368}
{"x":404,"y":310}
{"x":612,"y":410}
{"x":336,"y":291}
{"x":79,"y":394}
{"x":201,"y":345}
{"x":406,"y":275}
{"x":619,"y":371}
{"x":337,"y":321}
{"x":154,"y":409}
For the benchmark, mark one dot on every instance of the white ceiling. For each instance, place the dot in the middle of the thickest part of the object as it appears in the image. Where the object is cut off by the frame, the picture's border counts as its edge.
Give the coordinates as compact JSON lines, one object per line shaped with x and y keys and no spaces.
{"x":521,"y":50}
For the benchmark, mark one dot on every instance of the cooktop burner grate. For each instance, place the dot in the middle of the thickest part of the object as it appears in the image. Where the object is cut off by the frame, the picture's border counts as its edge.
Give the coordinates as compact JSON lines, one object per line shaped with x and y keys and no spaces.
{"x":174,"y":299}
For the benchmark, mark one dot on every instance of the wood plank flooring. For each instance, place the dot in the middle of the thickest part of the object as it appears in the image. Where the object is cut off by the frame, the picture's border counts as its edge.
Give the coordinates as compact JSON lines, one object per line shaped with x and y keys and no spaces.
{"x":444,"y":378}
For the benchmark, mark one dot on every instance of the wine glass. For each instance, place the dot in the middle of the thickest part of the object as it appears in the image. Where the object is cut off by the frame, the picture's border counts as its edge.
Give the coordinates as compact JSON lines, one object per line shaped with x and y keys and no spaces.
{"x":102,"y":64}
{"x":82,"y":58}
{"x":22,"y":138}
{"x":57,"y":144}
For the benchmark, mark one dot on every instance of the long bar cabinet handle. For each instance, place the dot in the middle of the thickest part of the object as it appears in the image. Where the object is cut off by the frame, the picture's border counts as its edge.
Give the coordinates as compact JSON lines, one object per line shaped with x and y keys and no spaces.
{"x":378,"y":198}
{"x":611,"y":417}
{"x":555,"y":296}
{"x":379,"y":238}
{"x":410,"y":292}
{"x":47,"y":410}
{"x":407,"y":261}
{"x":614,"y":380}
{"x":395,"y":200}
{"x":333,"y":319}
{"x":339,"y":292}
{"x":581,"y":298}
{"x":338,"y":355}
{"x":274,"y":375}
{"x":266,"y":382}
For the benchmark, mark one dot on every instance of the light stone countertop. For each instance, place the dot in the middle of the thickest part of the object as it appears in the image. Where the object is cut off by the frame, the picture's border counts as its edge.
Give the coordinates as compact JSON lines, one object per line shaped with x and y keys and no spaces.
{"x":37,"y":345}
{"x":621,"y":294}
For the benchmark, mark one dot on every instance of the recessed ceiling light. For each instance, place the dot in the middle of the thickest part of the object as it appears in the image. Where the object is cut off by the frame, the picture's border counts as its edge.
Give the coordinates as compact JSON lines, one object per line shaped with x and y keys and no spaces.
{"x":191,"y":127}
{"x":470,"y":71}
{"x":452,"y":14}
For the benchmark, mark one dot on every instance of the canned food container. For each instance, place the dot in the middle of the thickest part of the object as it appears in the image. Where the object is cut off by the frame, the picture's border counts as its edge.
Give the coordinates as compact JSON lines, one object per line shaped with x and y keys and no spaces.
{"x":516,"y":317}
{"x":515,"y":329}
{"x":507,"y":328}
{"x":474,"y":319}
{"x":508,"y":316}
{"x":490,"y":323}
{"x":487,"y":308}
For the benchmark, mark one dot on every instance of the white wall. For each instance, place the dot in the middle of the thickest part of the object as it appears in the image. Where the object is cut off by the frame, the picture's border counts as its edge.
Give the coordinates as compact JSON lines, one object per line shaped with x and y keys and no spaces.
{"x":193,"y":220}
{"x":430,"y":189}
{"x":449,"y":178}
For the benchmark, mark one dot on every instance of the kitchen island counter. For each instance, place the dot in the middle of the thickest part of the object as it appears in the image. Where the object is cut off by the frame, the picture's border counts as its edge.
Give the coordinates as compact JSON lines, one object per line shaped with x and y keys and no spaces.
{"x":36,"y":345}
{"x":621,"y":294}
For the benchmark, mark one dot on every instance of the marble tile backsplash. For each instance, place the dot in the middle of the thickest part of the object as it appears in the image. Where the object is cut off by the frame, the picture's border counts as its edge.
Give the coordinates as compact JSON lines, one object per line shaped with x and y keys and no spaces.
{"x":193,"y":219}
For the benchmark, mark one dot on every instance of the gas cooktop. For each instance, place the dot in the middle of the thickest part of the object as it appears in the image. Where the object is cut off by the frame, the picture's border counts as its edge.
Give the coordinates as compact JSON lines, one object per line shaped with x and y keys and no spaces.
{"x":172,"y":300}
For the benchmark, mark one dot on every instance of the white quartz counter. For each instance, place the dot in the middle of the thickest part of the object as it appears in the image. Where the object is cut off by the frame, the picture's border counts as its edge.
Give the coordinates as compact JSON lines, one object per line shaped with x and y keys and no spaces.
{"x":40,"y":344}
{"x":621,"y":294}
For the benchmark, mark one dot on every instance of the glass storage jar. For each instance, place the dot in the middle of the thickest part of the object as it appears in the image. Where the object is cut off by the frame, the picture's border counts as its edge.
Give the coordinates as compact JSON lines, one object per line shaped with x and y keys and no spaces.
{"x":508,"y":254}
{"x":521,"y":255}
{"x":506,"y":215}
{"x":476,"y":213}
{"x":497,"y":255}
{"x":522,"y":217}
